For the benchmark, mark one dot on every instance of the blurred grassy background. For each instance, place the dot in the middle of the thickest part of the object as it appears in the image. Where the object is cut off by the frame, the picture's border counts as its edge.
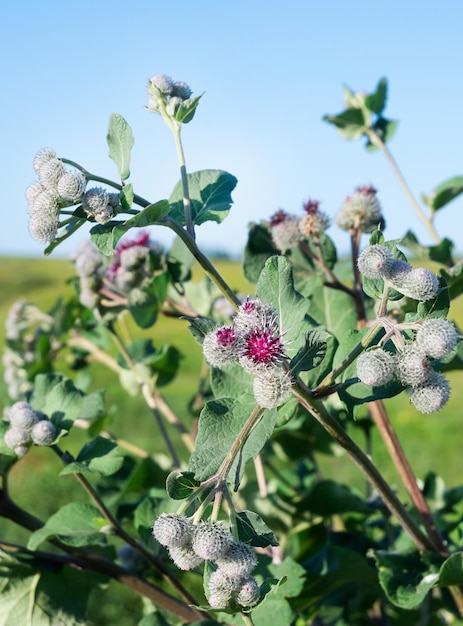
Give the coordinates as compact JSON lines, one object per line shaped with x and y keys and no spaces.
{"x":432,"y":443}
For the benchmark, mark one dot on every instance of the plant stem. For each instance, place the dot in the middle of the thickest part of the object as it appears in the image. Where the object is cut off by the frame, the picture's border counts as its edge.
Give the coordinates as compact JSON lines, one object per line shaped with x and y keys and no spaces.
{"x":355,"y":236}
{"x":176,"y":128}
{"x":378,"y":142}
{"x":247,"y":619}
{"x":202,"y":259}
{"x":319,"y":412}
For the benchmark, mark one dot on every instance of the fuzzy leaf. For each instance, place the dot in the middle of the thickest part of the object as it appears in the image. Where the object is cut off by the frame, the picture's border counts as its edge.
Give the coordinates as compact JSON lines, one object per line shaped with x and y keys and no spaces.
{"x":75,"y":524}
{"x":120,"y":142}
{"x":180,"y":485}
{"x":253,"y":530}
{"x":210,"y":196}
{"x":350,"y":124}
{"x":99,"y":456}
{"x":445,"y":193}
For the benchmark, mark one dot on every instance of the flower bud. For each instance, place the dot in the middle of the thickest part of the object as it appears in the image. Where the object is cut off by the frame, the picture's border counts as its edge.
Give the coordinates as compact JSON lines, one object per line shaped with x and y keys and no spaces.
{"x":51,"y":172}
{"x":432,"y":395}
{"x":211,"y":540}
{"x":17,"y":437}
{"x":222,"y":589}
{"x":285,"y":231}
{"x":42,"y":157}
{"x":160,"y":85}
{"x":272,"y":387}
{"x":181,"y":90}
{"x":184,"y":557}
{"x":96,"y":203}
{"x":376,"y":367}
{"x":20,"y":451}
{"x":222,"y":347}
{"x":437,"y":338}
{"x":43,"y":433}
{"x":419,"y":284}
{"x":375,"y":261}
{"x":255,"y":314}
{"x":71,"y":186}
{"x":239,"y":560}
{"x":249,"y":592}
{"x":23,"y":416}
{"x":412,"y":366}
{"x":173,"y":530}
{"x":361,"y":210}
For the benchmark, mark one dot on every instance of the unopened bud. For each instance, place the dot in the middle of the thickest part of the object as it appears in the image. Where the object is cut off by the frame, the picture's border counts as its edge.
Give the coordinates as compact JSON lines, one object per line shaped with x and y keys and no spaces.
{"x":43,"y":433}
{"x":272,"y":387}
{"x":211,"y":540}
{"x":412,"y":366}
{"x":419,"y":284}
{"x":375,"y":261}
{"x":432,"y":395}
{"x":184,"y":557}
{"x":23,"y":416}
{"x":376,"y":367}
{"x":249,"y":592}
{"x":239,"y":560}
{"x":173,"y":530}
{"x":437,"y":337}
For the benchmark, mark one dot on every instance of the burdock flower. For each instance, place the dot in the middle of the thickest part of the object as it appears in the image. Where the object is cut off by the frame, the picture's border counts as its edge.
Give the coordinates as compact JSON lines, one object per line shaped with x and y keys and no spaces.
{"x":437,"y":338}
{"x":375,"y":261}
{"x":97,"y":203}
{"x":71,"y":186}
{"x":432,"y":395}
{"x":314,"y":221}
{"x":272,"y":387}
{"x":361,"y":210}
{"x":284,"y":229}
{"x":262,"y":347}
{"x":253,"y":314}
{"x":222,"y":347}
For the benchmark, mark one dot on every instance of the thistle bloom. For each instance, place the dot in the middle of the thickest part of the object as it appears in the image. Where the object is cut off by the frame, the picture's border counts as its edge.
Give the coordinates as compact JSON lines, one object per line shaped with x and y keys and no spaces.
{"x":285,"y":232}
{"x":432,"y":395}
{"x":222,"y":347}
{"x":361,"y":210}
{"x":97,"y":203}
{"x":314,"y":221}
{"x":262,"y":347}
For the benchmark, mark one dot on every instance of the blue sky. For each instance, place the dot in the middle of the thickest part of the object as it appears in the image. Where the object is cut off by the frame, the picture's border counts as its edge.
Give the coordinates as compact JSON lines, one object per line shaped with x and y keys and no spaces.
{"x":269,"y":70}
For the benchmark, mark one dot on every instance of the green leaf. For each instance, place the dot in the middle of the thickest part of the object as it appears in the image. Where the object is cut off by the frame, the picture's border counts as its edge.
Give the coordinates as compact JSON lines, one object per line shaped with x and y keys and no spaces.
{"x":350,"y":124}
{"x":385,"y":129}
{"x":75,"y":524}
{"x":187,"y":109}
{"x":275,"y":286}
{"x":230,"y":382}
{"x":259,"y":248}
{"x":99,"y":456}
{"x":253,"y":530}
{"x":445,"y":193}
{"x":120,"y":142}
{"x":57,"y":397}
{"x":219,"y":424}
{"x":441,"y":253}
{"x":406,"y":579}
{"x":143,"y":518}
{"x":199,"y":327}
{"x":106,"y":236}
{"x":43,"y":597}
{"x":127,"y":196}
{"x":311,"y":354}
{"x":376,"y":101}
{"x":180,"y":485}
{"x":210,"y":196}
{"x":451,"y":571}
{"x":328,"y":497}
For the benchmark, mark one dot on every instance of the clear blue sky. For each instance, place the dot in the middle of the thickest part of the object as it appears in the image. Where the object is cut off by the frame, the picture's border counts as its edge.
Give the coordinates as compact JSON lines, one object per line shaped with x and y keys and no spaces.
{"x":270,"y":70}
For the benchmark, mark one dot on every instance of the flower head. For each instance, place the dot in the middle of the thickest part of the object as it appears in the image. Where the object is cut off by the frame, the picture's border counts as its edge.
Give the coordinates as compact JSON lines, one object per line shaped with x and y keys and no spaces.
{"x":376,"y":367}
{"x":419,"y":284}
{"x":437,"y":338}
{"x":272,"y":387}
{"x":71,"y":186}
{"x":262,"y":347}
{"x":284,"y":229}
{"x":375,"y":261}
{"x":361,"y":210}
{"x":43,"y":433}
{"x":249,"y":592}
{"x":412,"y":368}
{"x":211,"y":540}
{"x":222,"y":347}
{"x":239,"y":560}
{"x":97,"y":203}
{"x":432,"y":395}
{"x":173,"y":531}
{"x":255,"y":314}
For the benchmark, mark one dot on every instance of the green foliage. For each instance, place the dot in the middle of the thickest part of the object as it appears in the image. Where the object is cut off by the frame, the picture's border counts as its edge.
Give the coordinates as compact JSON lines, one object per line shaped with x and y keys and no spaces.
{"x":180,"y":438}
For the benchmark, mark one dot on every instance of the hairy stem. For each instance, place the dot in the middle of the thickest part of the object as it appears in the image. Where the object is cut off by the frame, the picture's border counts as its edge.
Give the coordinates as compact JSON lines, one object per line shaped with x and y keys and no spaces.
{"x":184,"y":178}
{"x":378,"y":142}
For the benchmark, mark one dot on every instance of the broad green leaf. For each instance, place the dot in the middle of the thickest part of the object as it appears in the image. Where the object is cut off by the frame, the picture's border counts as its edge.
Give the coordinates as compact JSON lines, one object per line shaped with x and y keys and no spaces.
{"x":219,"y":425}
{"x":445,"y":193}
{"x":253,"y":530}
{"x":99,"y":456}
{"x":157,"y":619}
{"x":180,"y":485}
{"x":407,"y":579}
{"x":451,"y":571}
{"x":376,"y":101}
{"x":120,"y":142}
{"x":328,"y":497}
{"x":442,"y":253}
{"x":106,"y":236}
{"x":311,"y":354}
{"x":275,"y":286}
{"x":43,"y":597}
{"x":210,"y":197}
{"x":57,"y":397}
{"x":350,"y":124}
{"x":179,"y":261}
{"x":143,"y":518}
{"x":75,"y":524}
{"x":127,"y":197}
{"x":259,"y":248}
{"x":230,"y":382}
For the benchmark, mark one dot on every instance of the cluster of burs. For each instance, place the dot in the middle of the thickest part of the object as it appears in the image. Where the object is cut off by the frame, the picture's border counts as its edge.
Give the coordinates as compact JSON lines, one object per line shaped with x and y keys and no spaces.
{"x":230,"y":585}
{"x":27,"y":427}
{"x":435,"y":338}
{"x":255,"y":343}
{"x":58,"y":188}
{"x":132,"y":264}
